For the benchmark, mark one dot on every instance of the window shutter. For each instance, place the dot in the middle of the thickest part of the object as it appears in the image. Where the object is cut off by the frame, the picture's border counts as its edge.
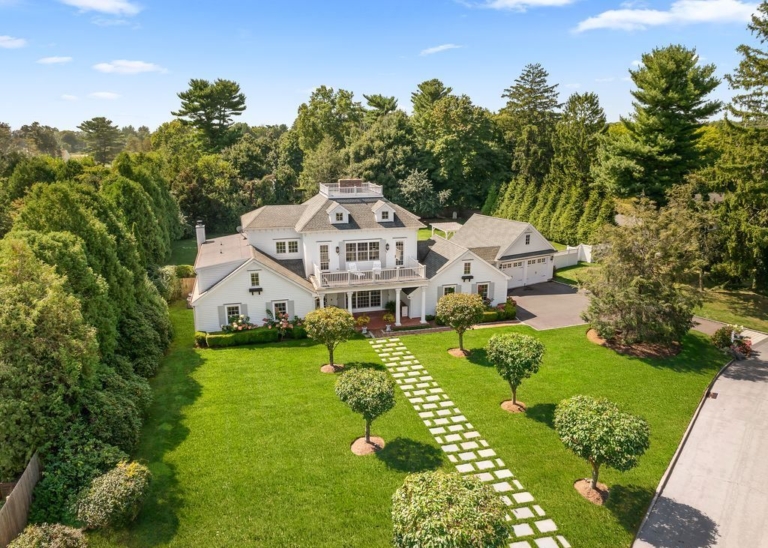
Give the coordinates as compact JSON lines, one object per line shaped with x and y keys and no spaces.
{"x":289,"y":309}
{"x":270,"y":308}
{"x":474,"y":289}
{"x":491,"y":294}
{"x":342,"y":254}
{"x":440,"y":289}
{"x":383,"y":252}
{"x":222,"y":316}
{"x":244,"y":310}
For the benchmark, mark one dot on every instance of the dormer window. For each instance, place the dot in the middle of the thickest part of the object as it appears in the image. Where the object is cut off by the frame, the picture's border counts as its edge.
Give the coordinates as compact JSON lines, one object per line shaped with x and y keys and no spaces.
{"x":385,"y":215}
{"x":339,"y":217}
{"x":337,"y":214}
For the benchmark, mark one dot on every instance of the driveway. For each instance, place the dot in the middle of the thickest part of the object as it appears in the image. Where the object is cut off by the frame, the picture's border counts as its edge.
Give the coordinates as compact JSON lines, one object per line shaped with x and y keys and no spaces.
{"x":549,"y":305}
{"x":717,"y":493}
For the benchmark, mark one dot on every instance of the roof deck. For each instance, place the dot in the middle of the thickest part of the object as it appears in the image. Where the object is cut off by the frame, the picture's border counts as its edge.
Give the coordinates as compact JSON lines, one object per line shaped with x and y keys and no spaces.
{"x":351,"y":188}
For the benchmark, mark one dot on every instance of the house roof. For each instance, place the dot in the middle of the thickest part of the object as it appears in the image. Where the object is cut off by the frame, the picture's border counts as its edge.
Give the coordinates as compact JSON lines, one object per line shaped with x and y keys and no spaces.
{"x":524,"y":255}
{"x":481,"y":233}
{"x":292,"y":269}
{"x":437,"y":253}
{"x":312,"y":215}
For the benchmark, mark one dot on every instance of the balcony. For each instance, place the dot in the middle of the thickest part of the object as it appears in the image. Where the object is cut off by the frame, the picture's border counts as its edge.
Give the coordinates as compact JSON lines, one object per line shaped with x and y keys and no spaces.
{"x":351,"y":188}
{"x":411,"y":271}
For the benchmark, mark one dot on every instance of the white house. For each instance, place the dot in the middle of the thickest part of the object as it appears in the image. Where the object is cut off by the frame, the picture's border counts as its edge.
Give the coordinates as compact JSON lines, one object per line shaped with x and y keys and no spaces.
{"x":350,"y":247}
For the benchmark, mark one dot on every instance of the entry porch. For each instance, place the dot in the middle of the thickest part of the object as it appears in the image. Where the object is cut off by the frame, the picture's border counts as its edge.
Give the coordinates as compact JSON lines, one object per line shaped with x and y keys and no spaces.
{"x":372,"y":302}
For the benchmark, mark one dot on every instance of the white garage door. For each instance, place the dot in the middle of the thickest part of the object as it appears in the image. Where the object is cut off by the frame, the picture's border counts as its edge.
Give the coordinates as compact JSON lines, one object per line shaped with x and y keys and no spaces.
{"x":516,"y":272}
{"x":538,"y":271}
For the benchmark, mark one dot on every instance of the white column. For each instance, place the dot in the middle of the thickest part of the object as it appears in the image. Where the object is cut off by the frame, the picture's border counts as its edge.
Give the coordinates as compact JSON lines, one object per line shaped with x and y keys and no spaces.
{"x":397,"y":307}
{"x":423,"y":305}
{"x":349,"y":301}
{"x":322,"y":301}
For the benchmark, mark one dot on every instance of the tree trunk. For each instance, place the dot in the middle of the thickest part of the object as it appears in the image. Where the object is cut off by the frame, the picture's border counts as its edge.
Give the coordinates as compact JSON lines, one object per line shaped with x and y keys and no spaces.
{"x":514,"y":393}
{"x":330,"y":355}
{"x":368,"y":431}
{"x":461,"y":341}
{"x":595,"y":474}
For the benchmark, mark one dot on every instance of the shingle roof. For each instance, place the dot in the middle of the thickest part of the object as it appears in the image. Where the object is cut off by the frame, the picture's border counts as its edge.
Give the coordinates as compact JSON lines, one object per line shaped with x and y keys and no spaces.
{"x":482,"y":232}
{"x":440,"y":253}
{"x":312,"y":215}
{"x":486,"y":253}
{"x":291,"y":269}
{"x":226,"y":249}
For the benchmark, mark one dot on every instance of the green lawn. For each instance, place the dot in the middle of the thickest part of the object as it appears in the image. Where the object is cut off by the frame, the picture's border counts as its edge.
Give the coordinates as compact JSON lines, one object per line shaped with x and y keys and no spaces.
{"x":425,"y":233}
{"x":183,"y":251}
{"x":576,"y":275}
{"x":250,"y":446}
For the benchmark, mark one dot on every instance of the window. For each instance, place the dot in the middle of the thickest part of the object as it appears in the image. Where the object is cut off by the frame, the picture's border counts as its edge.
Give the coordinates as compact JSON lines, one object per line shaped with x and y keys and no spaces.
{"x":527,"y":239}
{"x":233,"y":312}
{"x":325,"y":261}
{"x":482,"y":290}
{"x":544,"y":260}
{"x":339,"y":217}
{"x":362,"y":251}
{"x":385,"y":215}
{"x":532,"y":261}
{"x":280,"y":247}
{"x":467,"y":268}
{"x":448,"y":289}
{"x":517,"y":265}
{"x":399,"y":253}
{"x":505,"y":266}
{"x":293,"y":246}
{"x":280,"y":308}
{"x":255,"y":279}
{"x":366,"y":299}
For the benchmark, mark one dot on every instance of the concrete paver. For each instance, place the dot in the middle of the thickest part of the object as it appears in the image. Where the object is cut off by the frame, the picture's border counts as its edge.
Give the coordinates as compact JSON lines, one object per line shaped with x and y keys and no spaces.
{"x":549,"y":305}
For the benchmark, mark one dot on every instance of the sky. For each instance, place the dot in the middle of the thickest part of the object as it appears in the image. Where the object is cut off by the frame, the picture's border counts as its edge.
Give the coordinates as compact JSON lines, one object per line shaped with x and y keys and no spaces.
{"x":65,"y":61}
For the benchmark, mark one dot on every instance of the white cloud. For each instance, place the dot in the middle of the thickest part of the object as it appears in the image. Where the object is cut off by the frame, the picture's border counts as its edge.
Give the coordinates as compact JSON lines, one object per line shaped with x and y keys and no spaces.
{"x":109,"y":21}
{"x":104,"y":95}
{"x":681,"y":12}
{"x":438,"y":49}
{"x":54,"y":60}
{"x":9,"y":42}
{"x":522,"y":5}
{"x":68,"y":97}
{"x":636,"y":63}
{"x":113,"y":7}
{"x":122,"y":66}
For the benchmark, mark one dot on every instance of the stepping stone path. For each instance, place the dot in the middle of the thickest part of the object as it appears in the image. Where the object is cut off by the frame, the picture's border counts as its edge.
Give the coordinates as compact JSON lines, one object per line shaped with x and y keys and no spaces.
{"x":466,"y":448}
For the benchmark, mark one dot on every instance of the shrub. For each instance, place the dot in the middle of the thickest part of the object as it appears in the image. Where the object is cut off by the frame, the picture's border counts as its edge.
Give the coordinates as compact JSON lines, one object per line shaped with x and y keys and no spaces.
{"x":299,"y":332}
{"x":114,"y":499}
{"x":238,"y":338}
{"x":598,"y":432}
{"x":450,"y":510}
{"x":368,"y":392}
{"x":516,"y":357}
{"x":390,"y":307}
{"x":49,"y":535}
{"x":490,"y":316}
{"x":69,"y":466}
{"x":168,"y":283}
{"x":330,"y":326}
{"x":461,"y":311}
{"x":429,"y":318}
{"x":185,"y":271}
{"x":200,"y":339}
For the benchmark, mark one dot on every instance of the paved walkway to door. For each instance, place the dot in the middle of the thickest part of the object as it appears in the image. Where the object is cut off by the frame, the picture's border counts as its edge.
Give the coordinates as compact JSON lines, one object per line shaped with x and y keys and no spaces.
{"x":466,"y":448}
{"x":549,"y":305}
{"x":717,"y":492}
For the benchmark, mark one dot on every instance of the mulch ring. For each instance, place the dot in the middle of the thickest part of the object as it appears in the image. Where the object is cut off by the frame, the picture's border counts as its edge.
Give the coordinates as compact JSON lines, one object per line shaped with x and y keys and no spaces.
{"x":335,"y":368}
{"x":361,"y":447}
{"x":458,"y":353}
{"x":595,"y":496}
{"x":637,"y":350}
{"x":517,"y":407}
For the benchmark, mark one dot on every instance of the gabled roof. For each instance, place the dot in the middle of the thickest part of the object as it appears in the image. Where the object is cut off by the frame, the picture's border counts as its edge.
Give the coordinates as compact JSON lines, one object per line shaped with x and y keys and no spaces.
{"x":437,"y":253}
{"x":379,"y":204}
{"x":481,"y":233}
{"x":282,"y":216}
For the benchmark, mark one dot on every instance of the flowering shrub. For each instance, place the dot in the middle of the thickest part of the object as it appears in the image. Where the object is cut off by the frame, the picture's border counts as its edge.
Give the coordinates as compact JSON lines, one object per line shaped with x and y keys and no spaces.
{"x":730,"y":337}
{"x":115,"y":498}
{"x":238,"y":323}
{"x":282,"y":323}
{"x":50,"y":535}
{"x":363,"y":320}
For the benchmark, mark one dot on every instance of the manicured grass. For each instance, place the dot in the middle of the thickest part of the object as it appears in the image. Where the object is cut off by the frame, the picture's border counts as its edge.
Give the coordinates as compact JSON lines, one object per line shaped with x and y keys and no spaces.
{"x":730,"y":306}
{"x":559,"y":246}
{"x":665,"y":393}
{"x":425,"y":233}
{"x":249,"y":446}
{"x":183,"y":251}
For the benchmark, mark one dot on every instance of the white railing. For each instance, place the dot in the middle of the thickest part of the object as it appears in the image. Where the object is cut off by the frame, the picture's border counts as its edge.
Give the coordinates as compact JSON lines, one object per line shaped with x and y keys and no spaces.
{"x":334,"y":190}
{"x":410,"y":271}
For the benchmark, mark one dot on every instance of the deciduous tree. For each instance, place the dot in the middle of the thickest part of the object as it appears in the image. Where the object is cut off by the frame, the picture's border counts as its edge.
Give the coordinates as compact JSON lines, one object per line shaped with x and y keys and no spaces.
{"x":460,"y":311}
{"x":516,"y":357}
{"x":367,"y":392}
{"x":330,"y":327}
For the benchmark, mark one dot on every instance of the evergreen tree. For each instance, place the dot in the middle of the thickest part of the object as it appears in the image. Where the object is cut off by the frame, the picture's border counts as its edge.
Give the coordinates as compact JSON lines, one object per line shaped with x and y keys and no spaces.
{"x":102,"y":139}
{"x":329,"y":113}
{"x":428,"y":93}
{"x":659,"y":147}
{"x":379,"y":105}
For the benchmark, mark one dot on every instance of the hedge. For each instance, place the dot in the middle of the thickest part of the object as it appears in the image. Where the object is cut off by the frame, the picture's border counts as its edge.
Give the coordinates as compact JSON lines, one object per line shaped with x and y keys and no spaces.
{"x":261,"y":335}
{"x":185,"y":271}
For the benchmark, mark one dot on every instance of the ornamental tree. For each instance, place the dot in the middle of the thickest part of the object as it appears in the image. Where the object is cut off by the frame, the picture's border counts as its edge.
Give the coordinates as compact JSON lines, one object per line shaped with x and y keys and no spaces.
{"x":460,"y":311}
{"x":595,"y":430}
{"x":439,"y":509}
{"x":330,"y":326}
{"x":367,"y":392}
{"x":516,"y":357}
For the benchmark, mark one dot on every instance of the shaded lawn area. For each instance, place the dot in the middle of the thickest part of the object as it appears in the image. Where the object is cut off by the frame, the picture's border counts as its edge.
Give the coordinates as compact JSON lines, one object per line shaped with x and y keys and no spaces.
{"x":249,"y":446}
{"x":665,"y":393}
{"x":576,"y":275}
{"x":185,"y":251}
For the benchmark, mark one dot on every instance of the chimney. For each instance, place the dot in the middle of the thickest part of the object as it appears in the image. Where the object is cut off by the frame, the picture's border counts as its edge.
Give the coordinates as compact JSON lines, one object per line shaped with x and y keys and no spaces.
{"x":200,"y":231}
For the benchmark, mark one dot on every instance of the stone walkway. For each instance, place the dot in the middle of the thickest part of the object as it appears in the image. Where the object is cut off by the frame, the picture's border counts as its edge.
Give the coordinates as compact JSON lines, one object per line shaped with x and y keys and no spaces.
{"x":466,"y":448}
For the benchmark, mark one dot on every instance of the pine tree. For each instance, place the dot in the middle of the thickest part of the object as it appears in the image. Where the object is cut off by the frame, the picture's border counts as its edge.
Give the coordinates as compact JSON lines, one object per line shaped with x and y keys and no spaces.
{"x":102,"y":139}
{"x":429,"y":93}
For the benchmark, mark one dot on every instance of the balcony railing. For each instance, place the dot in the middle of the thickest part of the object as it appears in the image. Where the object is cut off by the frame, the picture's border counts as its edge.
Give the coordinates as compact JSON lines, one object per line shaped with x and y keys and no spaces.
{"x":351,"y":190}
{"x":410,"y":271}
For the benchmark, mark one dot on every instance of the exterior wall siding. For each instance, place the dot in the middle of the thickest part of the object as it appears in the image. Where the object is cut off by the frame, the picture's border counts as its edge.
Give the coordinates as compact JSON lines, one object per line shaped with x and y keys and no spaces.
{"x":211,"y":275}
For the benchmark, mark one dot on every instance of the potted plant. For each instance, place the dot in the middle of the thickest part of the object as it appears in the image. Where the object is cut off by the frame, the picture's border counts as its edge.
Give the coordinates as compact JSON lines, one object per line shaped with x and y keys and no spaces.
{"x":388,"y":319}
{"x":362,"y":322}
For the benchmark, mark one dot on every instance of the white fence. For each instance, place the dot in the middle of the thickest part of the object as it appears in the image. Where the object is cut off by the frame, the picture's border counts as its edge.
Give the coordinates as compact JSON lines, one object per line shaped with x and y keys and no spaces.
{"x":572,"y":255}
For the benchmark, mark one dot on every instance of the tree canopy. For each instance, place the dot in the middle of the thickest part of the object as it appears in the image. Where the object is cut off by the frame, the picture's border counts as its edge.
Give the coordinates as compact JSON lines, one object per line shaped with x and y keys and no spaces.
{"x":211,"y":107}
{"x":367,"y":392}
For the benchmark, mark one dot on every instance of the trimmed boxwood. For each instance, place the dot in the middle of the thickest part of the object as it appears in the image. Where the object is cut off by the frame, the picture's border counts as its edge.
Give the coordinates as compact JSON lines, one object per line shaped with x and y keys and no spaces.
{"x":490,"y":316}
{"x":261,"y":335}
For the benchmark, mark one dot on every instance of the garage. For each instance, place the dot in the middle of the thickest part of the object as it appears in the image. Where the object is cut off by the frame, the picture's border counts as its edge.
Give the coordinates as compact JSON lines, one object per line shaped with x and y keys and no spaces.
{"x":538,"y":270}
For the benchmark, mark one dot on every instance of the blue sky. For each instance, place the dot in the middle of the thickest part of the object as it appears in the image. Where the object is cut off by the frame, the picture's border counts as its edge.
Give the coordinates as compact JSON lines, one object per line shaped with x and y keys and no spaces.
{"x":65,"y":61}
